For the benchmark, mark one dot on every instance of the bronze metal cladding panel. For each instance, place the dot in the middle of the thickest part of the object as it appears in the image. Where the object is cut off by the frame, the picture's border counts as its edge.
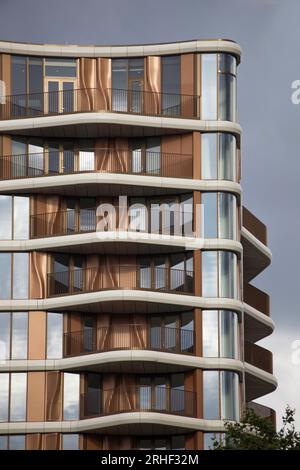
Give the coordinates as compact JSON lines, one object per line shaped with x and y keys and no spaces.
{"x":36,"y":396}
{"x":117,"y":442}
{"x":93,"y":442}
{"x":5,"y":72}
{"x":51,"y":441}
{"x":196,"y":155}
{"x":152,"y":84}
{"x":112,"y":155}
{"x":197,"y":273}
{"x":87,"y":81}
{"x":37,"y":335}
{"x":53,"y":396}
{"x":180,"y":165}
{"x":5,"y":149}
{"x":187,"y":84}
{"x":103,"y":84}
{"x":38,"y":275}
{"x":34,"y":441}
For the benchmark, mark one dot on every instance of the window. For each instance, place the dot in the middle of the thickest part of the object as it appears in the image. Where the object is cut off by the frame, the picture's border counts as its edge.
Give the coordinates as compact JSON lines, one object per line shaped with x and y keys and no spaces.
{"x":14,"y":218}
{"x":60,"y":67}
{"x":220,"y":333}
{"x":12,"y":442}
{"x":5,"y":276}
{"x":70,"y":441}
{"x":219,"y":274}
{"x":209,"y":86}
{"x":19,"y":334}
{"x":170,"y":85}
{"x":54,"y":335}
{"x":210,"y":438}
{"x":162,"y":393}
{"x":27,"y":85}
{"x":219,"y":215}
{"x":221,"y":395}
{"x":150,"y":443}
{"x":71,"y":396}
{"x":218,"y":156}
{"x":13,"y":390}
{"x":127,"y":84}
{"x":173,"y":332}
{"x":227,"y":87}
{"x":20,"y":275}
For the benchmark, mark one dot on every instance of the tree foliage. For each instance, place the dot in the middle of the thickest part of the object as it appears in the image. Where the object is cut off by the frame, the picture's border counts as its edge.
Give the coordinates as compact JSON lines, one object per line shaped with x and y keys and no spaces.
{"x":257,"y":433}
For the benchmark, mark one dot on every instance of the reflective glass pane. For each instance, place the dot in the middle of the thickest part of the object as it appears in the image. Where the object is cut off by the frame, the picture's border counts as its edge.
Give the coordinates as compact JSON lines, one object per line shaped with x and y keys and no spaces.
{"x":5,"y":217}
{"x":68,"y":98}
{"x":19,"y":157}
{"x":21,"y":218}
{"x":57,"y":67}
{"x":71,"y":396}
{"x":54,"y":335}
{"x":229,"y":395}
{"x":209,"y":156}
{"x":209,"y":215}
{"x":4,"y":396}
{"x":170,"y":67}
{"x":20,"y":275}
{"x":209,"y":274}
{"x":210,"y":333}
{"x":70,"y":442}
{"x":35,"y":78}
{"x":35,"y":159}
{"x":209,"y":86}
{"x":86,"y":160}
{"x":18,"y":386}
{"x":211,"y":394}
{"x":229,"y":334}
{"x":5,"y":318}
{"x":3,"y":442}
{"x":53,"y":97}
{"x":227,"y":63}
{"x":227,"y":97}
{"x":53,"y":158}
{"x":19,"y":335}
{"x":5,"y":276}
{"x":228,"y":274}
{"x":119,"y":84}
{"x":227,"y":157}
{"x":227,"y":215}
{"x":17,"y":442}
{"x":153,"y":156}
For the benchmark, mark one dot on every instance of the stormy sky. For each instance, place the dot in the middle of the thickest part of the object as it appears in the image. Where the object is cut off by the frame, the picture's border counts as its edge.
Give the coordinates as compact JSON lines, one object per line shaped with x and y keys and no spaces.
{"x":269,"y":33}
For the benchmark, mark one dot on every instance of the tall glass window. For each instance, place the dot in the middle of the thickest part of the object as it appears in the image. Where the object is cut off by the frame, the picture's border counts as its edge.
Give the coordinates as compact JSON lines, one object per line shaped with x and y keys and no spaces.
{"x":221,"y":395}
{"x":20,"y":276}
{"x":220,"y":333}
{"x":218,"y":156}
{"x":219,"y":215}
{"x":18,"y":389}
{"x":209,"y":86}
{"x":5,"y":276}
{"x":170,"y":85}
{"x":219,"y":274}
{"x":4,"y":396}
{"x":13,"y":335}
{"x":16,"y":442}
{"x":127,"y":84}
{"x":227,"y":87}
{"x":14,"y":218}
{"x":70,"y":442}
{"x":71,"y":396}
{"x":5,"y":335}
{"x":54,"y":335}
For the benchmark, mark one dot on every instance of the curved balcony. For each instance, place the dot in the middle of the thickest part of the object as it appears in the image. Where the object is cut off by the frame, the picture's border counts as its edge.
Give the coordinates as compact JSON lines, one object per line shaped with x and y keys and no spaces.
{"x":259,"y":357}
{"x":254,"y":226}
{"x":263,"y":411}
{"x":128,"y":337}
{"x":258,"y":307}
{"x":96,"y":160}
{"x":149,"y":103}
{"x":130,"y":277}
{"x":257,"y":299}
{"x":158,"y":399}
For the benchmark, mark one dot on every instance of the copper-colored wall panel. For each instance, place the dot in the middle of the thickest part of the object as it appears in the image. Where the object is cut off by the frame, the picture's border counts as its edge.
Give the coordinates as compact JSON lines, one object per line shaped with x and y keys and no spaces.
{"x":103,"y":84}
{"x":38,"y":275}
{"x":94,"y":84}
{"x":86,"y":79}
{"x":34,"y":441}
{"x":181,"y":164}
{"x":5,"y":72}
{"x":196,"y":155}
{"x":51,"y":441}
{"x":197,"y":273}
{"x":187,"y":85}
{"x":92,"y":442}
{"x":53,"y":396}
{"x":5,"y":149}
{"x":37,"y":335}
{"x":36,"y":396}
{"x":152,"y":84}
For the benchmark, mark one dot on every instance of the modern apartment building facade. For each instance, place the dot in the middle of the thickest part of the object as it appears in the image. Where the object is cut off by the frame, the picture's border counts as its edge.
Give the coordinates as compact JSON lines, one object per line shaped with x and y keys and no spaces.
{"x":127,"y":316}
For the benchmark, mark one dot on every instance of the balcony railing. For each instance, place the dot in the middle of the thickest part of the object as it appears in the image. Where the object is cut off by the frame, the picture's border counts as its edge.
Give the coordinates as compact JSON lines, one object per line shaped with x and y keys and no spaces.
{"x":124,"y":337}
{"x":96,"y":160}
{"x":259,"y":357}
{"x":156,"y":278}
{"x":93,"y":99}
{"x":254,"y":226}
{"x":143,"y":220}
{"x":157,"y":399}
{"x":263,"y":411}
{"x":257,"y":299}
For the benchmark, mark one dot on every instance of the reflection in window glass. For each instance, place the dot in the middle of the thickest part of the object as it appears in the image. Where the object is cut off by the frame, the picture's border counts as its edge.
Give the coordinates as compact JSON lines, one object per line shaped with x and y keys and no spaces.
{"x":228,"y":274}
{"x":19,"y":335}
{"x":21,"y":218}
{"x":170,"y":67}
{"x":20,"y":276}
{"x":227,"y":97}
{"x":70,"y":441}
{"x":229,"y":334}
{"x":209,"y":86}
{"x":209,"y":274}
{"x":210,"y":330}
{"x":5,"y":217}
{"x":4,"y":396}
{"x":209,"y":156}
{"x":209,"y":215}
{"x":227,"y":214}
{"x":71,"y":396}
{"x":209,"y":439}
{"x":3,"y":442}
{"x":4,"y":335}
{"x":57,"y":67}
{"x":229,"y":395}
{"x":211,"y":394}
{"x":5,"y":276}
{"x":54,"y":335}
{"x":18,"y":387}
{"x":227,"y":157}
{"x":17,"y":442}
